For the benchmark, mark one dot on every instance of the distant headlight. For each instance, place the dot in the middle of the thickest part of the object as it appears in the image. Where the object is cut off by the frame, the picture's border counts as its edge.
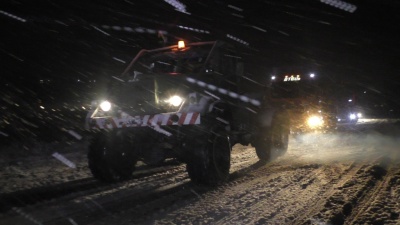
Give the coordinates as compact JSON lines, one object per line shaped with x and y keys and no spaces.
{"x":175,"y":100}
{"x":105,"y":106}
{"x":315,"y":121}
{"x":359,"y":115}
{"x":352,"y":116}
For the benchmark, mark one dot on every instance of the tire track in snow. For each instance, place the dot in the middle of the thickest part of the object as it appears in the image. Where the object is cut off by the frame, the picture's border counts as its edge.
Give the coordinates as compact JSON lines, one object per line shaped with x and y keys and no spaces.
{"x":223,"y":206}
{"x":340,"y":174}
{"x":97,"y":200}
{"x":379,"y":197}
{"x":78,"y":188}
{"x":230,"y":196}
{"x":293,"y":194}
{"x":339,"y":206}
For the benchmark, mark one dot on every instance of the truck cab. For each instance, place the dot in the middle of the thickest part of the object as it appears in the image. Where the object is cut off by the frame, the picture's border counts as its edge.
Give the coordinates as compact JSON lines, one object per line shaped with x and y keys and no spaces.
{"x":307,"y":101}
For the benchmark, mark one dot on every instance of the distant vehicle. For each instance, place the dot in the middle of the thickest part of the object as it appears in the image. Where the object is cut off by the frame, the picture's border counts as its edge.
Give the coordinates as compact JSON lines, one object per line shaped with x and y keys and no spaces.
{"x":310,"y":107}
{"x":348,"y":107}
{"x":192,"y":102}
{"x":349,"y":113}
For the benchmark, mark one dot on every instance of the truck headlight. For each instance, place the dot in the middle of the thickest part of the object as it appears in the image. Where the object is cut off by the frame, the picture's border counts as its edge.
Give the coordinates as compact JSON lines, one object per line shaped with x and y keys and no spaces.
{"x":105,"y":106}
{"x":175,"y":100}
{"x":315,"y":121}
{"x":352,"y":116}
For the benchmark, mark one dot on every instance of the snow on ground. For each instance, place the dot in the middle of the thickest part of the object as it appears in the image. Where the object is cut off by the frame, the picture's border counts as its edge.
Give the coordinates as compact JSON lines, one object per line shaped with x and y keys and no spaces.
{"x":336,"y":178}
{"x":23,"y":169}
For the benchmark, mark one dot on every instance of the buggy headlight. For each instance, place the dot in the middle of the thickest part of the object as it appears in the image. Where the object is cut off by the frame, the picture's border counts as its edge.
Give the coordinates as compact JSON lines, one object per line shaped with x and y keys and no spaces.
{"x":175,"y":100}
{"x":105,"y":106}
{"x":315,"y":121}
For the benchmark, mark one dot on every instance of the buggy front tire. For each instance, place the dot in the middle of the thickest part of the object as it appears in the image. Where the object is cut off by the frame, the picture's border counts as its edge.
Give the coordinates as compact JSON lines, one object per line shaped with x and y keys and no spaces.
{"x":111,"y":157}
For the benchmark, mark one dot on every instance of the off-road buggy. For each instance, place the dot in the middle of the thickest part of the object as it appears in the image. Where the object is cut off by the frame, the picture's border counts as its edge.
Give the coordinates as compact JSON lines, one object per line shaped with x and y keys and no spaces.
{"x":190,"y":102}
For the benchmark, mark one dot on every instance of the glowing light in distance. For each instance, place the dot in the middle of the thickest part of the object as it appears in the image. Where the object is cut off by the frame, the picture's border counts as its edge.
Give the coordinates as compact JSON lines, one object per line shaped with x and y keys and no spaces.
{"x":312,"y":75}
{"x":315,"y":121}
{"x":292,"y":78}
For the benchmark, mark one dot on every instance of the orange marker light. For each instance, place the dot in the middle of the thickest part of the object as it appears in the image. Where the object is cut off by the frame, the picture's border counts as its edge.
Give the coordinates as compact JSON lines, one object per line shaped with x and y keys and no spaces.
{"x":181,"y":44}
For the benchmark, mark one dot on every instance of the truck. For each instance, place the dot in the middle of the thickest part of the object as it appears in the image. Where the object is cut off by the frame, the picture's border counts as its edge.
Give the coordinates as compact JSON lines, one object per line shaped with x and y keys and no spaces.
{"x":192,"y":102}
{"x":308,"y":101}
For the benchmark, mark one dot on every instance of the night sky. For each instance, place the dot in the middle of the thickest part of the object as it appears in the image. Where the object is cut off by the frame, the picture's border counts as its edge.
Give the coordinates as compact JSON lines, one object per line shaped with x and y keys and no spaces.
{"x":69,"y":45}
{"x":58,"y":38}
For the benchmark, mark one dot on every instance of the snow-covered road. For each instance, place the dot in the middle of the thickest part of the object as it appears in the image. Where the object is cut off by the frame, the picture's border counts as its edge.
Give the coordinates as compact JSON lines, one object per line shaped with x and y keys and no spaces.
{"x":341,"y":178}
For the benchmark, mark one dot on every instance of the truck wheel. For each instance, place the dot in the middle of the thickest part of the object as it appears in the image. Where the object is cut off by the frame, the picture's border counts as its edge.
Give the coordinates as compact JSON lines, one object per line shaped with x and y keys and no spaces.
{"x":275,"y":139}
{"x":111,"y":157}
{"x":212,"y":159}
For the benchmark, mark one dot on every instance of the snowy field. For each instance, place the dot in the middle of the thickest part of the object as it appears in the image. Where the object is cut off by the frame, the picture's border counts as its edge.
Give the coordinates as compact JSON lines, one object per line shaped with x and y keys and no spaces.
{"x":347,"y":177}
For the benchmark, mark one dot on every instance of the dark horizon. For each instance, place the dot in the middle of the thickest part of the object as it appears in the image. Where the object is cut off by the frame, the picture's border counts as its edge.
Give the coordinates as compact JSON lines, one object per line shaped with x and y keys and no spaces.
{"x":82,"y":40}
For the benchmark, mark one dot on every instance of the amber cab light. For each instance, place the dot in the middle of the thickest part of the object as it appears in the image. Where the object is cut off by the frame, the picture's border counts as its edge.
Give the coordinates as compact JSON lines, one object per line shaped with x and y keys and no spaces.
{"x":181,"y":44}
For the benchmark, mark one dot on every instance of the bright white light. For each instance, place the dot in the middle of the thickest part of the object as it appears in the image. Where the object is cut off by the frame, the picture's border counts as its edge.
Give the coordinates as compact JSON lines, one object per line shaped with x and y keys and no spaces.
{"x":175,"y":100}
{"x":312,"y":75}
{"x":352,"y":116}
{"x":315,"y":121}
{"x":105,"y":106}
{"x":291,"y":78}
{"x":359,"y":115}
{"x":350,"y":100}
{"x":273,"y":78}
